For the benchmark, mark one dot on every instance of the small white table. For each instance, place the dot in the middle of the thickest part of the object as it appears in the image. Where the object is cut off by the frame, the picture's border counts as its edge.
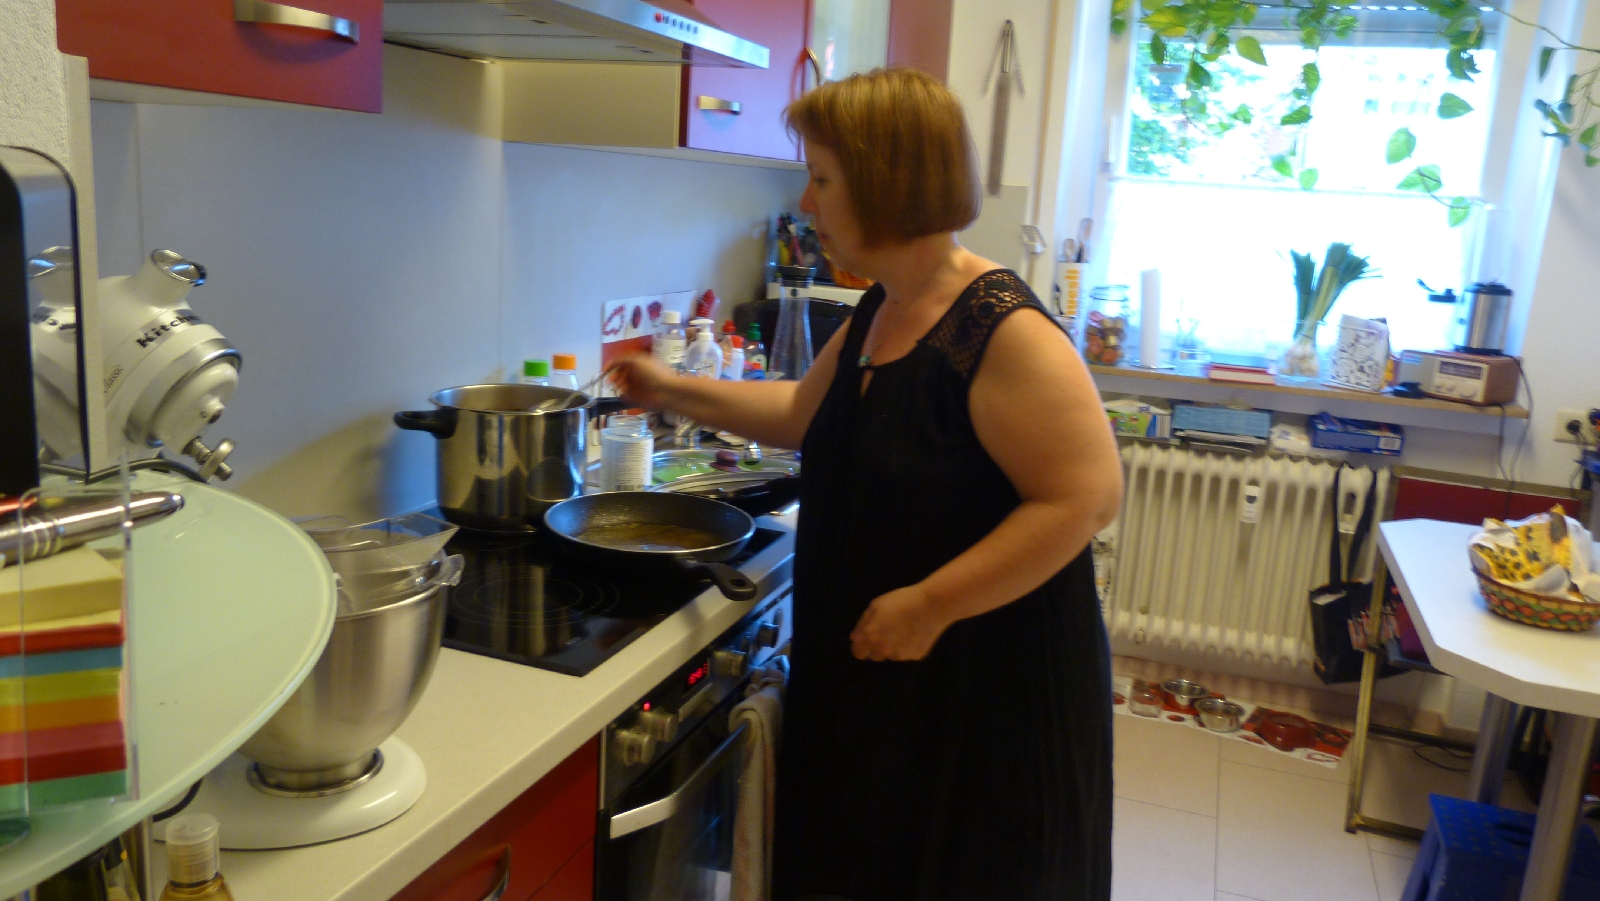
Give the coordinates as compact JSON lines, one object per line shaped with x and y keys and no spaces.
{"x":1516,"y":664}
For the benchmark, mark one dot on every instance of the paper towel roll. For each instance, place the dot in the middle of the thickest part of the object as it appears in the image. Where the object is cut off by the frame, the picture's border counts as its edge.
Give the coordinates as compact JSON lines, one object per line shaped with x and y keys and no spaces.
{"x":1150,"y":318}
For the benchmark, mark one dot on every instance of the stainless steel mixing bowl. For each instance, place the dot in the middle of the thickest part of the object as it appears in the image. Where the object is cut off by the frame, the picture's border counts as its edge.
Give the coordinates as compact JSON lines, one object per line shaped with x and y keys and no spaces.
{"x":368,"y":679}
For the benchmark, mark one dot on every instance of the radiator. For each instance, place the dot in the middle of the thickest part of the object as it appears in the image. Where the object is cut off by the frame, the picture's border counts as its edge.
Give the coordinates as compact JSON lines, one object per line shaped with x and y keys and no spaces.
{"x":1186,"y":570}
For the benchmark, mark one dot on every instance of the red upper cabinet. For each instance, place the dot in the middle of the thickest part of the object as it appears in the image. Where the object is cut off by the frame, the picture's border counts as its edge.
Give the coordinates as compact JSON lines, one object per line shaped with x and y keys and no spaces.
{"x":919,"y":35}
{"x":325,"y":53}
{"x":741,"y":110}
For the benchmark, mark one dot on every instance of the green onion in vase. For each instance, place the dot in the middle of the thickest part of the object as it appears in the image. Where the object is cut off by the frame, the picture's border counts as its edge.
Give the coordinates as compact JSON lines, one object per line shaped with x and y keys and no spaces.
{"x":1315,"y":296}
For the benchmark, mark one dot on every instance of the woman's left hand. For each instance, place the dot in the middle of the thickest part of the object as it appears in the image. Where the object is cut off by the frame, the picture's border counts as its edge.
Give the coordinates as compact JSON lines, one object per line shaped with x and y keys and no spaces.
{"x":900,"y":625}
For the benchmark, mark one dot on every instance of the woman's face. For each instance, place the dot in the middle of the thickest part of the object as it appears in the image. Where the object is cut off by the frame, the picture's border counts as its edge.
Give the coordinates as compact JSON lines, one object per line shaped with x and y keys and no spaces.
{"x":827,"y":202}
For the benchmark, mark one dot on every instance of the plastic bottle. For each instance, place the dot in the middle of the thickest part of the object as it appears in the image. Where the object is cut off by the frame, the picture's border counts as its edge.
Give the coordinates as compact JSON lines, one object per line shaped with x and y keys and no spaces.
{"x":564,"y":371}
{"x":669,"y":343}
{"x":703,"y":359}
{"x":626,"y":451}
{"x":733,"y":364}
{"x":194,"y":862}
{"x":755,"y":353}
{"x":729,"y":330}
{"x":536,"y":372}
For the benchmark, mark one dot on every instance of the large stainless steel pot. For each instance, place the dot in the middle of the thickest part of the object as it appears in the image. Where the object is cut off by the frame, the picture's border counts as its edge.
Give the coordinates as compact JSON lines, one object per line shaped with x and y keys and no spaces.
{"x":501,"y":463}
{"x":371,"y":674}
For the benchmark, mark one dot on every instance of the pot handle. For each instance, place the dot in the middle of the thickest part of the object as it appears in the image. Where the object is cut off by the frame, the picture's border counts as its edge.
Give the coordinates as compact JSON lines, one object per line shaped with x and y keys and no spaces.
{"x":735,"y":585}
{"x":438,"y":423}
{"x":605,"y":406}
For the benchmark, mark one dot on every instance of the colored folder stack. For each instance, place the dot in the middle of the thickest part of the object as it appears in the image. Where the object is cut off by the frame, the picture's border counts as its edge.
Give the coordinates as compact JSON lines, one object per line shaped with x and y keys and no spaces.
{"x":61,"y":682}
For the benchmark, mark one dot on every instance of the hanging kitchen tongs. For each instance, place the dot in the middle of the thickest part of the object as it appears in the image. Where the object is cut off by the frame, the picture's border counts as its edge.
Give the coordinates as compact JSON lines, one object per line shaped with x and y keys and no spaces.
{"x":1010,"y":69}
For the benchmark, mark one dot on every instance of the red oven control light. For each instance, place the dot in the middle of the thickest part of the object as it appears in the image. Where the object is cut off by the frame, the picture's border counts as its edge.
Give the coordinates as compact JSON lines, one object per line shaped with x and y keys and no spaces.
{"x":646,"y":706}
{"x":698,"y":674}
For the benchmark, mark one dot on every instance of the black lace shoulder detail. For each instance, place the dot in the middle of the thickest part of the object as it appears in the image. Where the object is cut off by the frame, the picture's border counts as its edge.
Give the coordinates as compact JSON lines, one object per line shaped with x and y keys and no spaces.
{"x":964,"y":333}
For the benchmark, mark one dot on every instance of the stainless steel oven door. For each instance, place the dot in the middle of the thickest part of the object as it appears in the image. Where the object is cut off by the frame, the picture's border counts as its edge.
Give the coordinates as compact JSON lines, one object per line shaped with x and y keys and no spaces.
{"x":669,"y":836}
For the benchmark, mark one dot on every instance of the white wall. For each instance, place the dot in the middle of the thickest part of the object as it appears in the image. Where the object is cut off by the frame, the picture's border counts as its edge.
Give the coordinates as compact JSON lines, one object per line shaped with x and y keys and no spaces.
{"x":361,"y":262}
{"x":584,"y":227}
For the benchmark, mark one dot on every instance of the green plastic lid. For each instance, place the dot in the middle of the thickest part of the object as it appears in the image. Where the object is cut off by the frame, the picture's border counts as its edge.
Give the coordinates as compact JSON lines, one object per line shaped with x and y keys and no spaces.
{"x":753,"y":332}
{"x":536,"y":368}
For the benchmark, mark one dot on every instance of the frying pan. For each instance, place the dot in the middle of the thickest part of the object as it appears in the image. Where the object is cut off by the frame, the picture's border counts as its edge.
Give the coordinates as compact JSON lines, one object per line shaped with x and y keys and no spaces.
{"x":729,"y":527}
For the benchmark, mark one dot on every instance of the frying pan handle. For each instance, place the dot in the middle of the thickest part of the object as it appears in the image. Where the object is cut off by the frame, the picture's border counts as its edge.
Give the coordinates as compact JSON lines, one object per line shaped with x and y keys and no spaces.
{"x":735,"y":585}
{"x":438,"y":423}
{"x":605,"y":406}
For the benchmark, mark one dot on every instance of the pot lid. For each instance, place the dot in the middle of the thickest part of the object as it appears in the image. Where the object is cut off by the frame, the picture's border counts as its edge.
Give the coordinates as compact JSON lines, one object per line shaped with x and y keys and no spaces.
{"x":1489,"y":287}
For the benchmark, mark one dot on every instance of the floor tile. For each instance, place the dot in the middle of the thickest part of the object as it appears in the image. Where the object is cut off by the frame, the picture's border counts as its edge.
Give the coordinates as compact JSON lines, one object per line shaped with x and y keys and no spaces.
{"x":1160,"y":853}
{"x":1166,"y":765}
{"x":1391,"y":874}
{"x":1392,"y":847}
{"x":1280,"y":837}
{"x":1399,"y":782}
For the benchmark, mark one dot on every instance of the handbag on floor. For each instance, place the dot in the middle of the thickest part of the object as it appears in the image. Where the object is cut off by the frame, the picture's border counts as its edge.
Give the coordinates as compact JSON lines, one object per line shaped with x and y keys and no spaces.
{"x":1341,"y":608}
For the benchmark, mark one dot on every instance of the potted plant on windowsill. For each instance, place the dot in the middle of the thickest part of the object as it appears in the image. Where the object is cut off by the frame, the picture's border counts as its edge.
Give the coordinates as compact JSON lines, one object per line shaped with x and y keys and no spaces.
{"x":1315,"y":295}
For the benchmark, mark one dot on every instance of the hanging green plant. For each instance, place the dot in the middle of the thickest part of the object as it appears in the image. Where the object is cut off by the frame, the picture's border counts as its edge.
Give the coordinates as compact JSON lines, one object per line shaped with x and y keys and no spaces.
{"x":1204,"y":32}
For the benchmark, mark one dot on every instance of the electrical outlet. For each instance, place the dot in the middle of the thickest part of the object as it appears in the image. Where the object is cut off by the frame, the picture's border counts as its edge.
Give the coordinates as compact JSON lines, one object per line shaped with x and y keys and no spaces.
{"x":1561,"y":434}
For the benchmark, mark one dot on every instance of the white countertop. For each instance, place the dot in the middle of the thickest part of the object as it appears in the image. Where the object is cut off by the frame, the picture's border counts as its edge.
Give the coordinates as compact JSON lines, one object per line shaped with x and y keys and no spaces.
{"x":486,"y":731}
{"x":1523,"y":664}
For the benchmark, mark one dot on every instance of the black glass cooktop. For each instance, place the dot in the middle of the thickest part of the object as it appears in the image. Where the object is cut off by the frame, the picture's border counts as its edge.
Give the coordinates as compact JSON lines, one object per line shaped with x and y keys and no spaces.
{"x":527,"y":599}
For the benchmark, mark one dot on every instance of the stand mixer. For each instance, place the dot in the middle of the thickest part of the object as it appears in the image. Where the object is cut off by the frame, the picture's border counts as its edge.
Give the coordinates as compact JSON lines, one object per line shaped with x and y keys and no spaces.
{"x":168,"y":375}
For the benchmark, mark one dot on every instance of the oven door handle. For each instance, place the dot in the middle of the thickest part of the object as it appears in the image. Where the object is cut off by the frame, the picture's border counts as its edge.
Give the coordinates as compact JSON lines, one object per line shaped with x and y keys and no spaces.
{"x":646,"y":815}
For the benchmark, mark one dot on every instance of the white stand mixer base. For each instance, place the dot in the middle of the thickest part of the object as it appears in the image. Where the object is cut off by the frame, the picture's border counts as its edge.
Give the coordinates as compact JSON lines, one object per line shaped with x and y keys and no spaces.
{"x":252,"y":820}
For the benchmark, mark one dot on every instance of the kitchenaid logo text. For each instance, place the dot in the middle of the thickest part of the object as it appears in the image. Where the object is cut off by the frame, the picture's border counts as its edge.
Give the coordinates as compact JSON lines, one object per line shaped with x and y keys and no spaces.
{"x":156,"y":332}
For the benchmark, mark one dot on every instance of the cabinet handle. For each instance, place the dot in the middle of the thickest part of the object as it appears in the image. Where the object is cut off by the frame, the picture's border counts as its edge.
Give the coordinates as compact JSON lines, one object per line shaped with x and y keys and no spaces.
{"x":279,"y":14}
{"x":718,"y":105}
{"x":816,"y":66}
{"x":503,"y":868}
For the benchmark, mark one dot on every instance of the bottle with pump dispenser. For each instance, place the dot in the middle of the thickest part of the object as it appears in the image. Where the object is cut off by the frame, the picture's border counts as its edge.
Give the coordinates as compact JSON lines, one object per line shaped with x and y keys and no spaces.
{"x":194,"y":860}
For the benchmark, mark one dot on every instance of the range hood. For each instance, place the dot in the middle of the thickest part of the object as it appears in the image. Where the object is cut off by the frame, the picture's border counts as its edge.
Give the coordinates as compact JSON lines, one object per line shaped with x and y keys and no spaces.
{"x":586,"y":30}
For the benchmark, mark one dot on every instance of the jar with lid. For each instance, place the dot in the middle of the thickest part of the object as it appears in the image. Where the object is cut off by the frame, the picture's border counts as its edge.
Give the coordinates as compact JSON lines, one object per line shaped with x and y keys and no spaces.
{"x":627,"y":449}
{"x":1105,"y":329}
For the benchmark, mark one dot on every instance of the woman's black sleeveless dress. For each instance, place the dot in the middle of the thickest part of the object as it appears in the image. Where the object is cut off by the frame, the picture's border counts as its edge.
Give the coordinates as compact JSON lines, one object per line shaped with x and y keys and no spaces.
{"x":983,"y":771}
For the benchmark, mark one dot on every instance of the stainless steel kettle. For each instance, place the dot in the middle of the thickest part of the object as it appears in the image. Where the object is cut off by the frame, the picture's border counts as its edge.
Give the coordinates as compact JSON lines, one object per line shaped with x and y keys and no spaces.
{"x":1482,"y":315}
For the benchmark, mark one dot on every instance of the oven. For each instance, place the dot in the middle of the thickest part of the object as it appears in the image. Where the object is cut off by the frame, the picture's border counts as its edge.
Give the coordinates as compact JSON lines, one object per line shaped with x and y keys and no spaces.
{"x":669,"y":773}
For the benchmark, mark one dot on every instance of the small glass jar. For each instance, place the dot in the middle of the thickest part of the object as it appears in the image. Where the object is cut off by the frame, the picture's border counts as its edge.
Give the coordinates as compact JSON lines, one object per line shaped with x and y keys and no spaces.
{"x":627,"y":450}
{"x":1105,"y":325}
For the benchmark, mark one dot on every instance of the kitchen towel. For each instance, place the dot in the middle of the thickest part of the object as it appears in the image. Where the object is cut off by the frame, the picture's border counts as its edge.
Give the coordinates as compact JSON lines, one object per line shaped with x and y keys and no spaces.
{"x":1150,"y":319}
{"x":762,"y":716}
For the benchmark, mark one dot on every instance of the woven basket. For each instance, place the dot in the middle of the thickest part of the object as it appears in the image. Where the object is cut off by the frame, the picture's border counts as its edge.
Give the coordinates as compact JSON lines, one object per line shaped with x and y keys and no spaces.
{"x":1538,"y":609}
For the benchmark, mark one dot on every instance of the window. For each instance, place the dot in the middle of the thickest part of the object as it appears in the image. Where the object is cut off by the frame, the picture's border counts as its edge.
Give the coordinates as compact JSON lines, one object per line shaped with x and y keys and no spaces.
{"x":1215,"y":199}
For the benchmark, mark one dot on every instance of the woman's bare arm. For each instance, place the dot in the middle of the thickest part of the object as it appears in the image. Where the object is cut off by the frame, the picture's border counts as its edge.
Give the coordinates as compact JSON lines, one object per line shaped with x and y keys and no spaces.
{"x":1038,"y":414}
{"x":773,"y":413}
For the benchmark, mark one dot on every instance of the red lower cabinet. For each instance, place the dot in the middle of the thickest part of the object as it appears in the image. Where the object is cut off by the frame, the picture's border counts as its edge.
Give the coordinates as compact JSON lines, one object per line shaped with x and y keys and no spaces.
{"x":541,"y":844}
{"x":317,"y":52}
{"x":574,"y":881}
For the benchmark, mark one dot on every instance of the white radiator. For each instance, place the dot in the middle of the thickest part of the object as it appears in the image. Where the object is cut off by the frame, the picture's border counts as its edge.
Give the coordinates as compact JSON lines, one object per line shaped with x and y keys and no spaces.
{"x":1187,"y":572}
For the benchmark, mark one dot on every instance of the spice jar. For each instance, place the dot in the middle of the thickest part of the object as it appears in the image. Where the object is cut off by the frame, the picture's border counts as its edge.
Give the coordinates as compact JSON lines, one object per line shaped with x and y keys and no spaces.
{"x":1105,"y":332}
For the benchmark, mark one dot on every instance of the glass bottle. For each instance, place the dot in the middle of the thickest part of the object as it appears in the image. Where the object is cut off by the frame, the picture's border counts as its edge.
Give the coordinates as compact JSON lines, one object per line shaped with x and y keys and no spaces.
{"x":626,"y":454}
{"x":669,"y":342}
{"x":1105,"y":327}
{"x":194,"y":860}
{"x":790,"y":354}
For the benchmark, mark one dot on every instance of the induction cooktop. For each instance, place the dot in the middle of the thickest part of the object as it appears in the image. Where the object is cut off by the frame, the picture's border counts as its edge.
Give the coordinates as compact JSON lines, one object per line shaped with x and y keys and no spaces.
{"x":527,"y":599}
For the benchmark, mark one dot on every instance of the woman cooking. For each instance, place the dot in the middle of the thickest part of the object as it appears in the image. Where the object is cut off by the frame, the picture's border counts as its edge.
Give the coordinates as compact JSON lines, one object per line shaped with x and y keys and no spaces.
{"x":948,"y":725}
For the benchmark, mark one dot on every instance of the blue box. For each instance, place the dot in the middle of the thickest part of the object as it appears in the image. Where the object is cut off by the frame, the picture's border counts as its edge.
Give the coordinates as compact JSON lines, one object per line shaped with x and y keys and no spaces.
{"x":1334,"y":433}
{"x":1478,"y":852}
{"x":1221,"y":420}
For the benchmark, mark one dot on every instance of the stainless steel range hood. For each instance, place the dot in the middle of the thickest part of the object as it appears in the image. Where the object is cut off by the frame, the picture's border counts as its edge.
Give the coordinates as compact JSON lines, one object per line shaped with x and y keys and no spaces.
{"x":587,"y":30}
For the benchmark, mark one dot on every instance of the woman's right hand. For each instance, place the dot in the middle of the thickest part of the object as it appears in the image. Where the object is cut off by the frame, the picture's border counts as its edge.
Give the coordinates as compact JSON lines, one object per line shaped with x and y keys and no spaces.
{"x":641,"y":380}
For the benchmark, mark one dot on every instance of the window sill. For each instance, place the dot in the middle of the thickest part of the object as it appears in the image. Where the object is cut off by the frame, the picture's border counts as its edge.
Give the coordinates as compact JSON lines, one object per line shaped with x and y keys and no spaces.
{"x":1311,"y":399}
